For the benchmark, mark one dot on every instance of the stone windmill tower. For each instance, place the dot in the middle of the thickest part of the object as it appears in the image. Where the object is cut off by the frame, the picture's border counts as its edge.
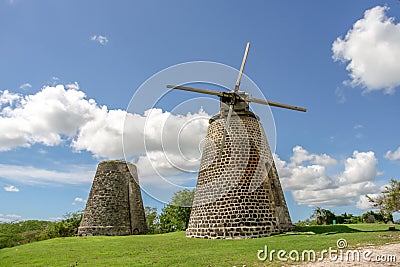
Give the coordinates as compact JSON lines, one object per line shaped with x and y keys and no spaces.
{"x":238,"y":193}
{"x":115,"y":205}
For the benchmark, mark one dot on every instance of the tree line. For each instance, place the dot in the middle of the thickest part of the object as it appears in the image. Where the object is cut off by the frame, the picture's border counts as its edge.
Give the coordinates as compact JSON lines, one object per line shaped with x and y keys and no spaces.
{"x":173,"y":217}
{"x":19,"y":233}
{"x":322,"y":216}
{"x":385,"y":204}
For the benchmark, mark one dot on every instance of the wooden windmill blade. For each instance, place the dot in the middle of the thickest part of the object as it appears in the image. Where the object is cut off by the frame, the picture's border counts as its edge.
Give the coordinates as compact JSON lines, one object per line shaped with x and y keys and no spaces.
{"x":246,"y":52}
{"x":196,"y":90}
{"x":247,"y":99}
{"x":233,"y":101}
{"x":274,"y":104}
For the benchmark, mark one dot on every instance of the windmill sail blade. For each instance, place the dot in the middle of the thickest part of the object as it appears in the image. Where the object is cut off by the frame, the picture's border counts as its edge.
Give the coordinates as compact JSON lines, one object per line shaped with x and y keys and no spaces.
{"x":197,"y":90}
{"x":225,"y":132}
{"x":242,"y":67}
{"x":274,"y":104}
{"x":233,"y":100}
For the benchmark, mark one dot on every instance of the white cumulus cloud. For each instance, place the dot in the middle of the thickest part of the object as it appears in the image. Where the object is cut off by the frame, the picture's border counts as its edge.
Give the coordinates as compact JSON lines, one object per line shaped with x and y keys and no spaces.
{"x":103,"y":40}
{"x":62,"y":114}
{"x":45,"y":117}
{"x":360,"y":168}
{"x":301,"y":155}
{"x":102,"y":134}
{"x":33,"y":175}
{"x":314,"y":180}
{"x":25,"y":86}
{"x":6,"y":218}
{"x":339,"y":92}
{"x":7,"y":98}
{"x":395,"y":155}
{"x":78,"y":200}
{"x":363,"y":203}
{"x":116,"y":133}
{"x":11,"y":188}
{"x":371,"y":50}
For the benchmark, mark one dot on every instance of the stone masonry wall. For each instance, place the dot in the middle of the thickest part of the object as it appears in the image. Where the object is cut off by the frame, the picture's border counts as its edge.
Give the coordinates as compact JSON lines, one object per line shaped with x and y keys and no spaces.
{"x":115,"y":204}
{"x":239,"y":196}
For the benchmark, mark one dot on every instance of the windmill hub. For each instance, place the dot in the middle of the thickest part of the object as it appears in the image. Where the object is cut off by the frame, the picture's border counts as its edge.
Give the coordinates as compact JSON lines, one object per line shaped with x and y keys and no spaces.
{"x":240,"y":105}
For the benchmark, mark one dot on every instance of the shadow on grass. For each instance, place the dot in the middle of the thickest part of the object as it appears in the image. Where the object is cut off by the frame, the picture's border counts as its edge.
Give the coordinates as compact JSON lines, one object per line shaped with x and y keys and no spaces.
{"x":326,"y":229}
{"x":334,"y":229}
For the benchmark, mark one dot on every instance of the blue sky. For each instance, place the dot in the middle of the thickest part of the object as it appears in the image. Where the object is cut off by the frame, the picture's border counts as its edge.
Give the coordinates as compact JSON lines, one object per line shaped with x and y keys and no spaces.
{"x":69,"y":70}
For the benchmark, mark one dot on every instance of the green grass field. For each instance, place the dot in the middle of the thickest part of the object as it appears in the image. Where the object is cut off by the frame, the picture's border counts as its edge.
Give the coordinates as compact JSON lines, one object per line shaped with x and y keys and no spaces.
{"x":174,"y":249}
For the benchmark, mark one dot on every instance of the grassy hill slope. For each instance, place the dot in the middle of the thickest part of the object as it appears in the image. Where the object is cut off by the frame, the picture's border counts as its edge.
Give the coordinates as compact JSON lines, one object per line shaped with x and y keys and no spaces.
{"x":174,"y":249}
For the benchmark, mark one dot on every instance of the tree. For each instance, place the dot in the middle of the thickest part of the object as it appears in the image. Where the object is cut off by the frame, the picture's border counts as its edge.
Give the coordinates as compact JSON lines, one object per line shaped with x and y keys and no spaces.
{"x":183,"y":198}
{"x":175,"y":216}
{"x":348,"y":219}
{"x":152,"y":220}
{"x":370,"y":217}
{"x":170,"y":221}
{"x":67,"y":227}
{"x":182,"y":201}
{"x":389,"y":200}
{"x":323,"y":216}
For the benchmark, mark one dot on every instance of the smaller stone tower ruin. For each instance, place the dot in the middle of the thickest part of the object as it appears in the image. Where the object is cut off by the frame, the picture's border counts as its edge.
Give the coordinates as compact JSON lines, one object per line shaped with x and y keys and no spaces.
{"x":115,"y":205}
